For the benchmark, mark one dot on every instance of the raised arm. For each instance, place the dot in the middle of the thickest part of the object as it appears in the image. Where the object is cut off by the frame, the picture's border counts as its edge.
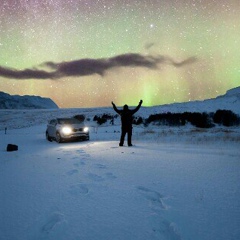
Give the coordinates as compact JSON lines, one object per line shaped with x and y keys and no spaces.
{"x":137,"y":108}
{"x":115,"y":108}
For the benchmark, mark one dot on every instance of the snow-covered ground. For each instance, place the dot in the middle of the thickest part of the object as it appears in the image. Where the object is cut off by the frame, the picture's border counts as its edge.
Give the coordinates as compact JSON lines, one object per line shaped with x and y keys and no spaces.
{"x":174,"y":183}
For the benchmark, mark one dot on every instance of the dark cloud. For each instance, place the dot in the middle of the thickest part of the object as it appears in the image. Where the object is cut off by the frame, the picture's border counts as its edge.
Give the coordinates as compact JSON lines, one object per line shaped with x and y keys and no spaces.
{"x":82,"y":67}
{"x":136,"y":60}
{"x":24,"y":74}
{"x":184,"y":62}
{"x":86,"y":67}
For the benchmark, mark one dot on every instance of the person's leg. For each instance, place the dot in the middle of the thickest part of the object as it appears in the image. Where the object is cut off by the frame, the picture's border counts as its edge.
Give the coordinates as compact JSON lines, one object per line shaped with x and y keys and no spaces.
{"x":122,"y":137}
{"x":130,"y":137}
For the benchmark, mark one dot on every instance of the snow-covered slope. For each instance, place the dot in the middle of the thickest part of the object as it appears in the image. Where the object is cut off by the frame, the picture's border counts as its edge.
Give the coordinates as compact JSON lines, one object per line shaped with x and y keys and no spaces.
{"x":25,"y":102}
{"x":228,"y":101}
{"x":235,"y":92}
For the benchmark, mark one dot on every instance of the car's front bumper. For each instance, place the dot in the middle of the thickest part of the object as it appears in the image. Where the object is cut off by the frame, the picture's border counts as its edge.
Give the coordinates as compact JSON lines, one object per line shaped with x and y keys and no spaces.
{"x":75,"y":135}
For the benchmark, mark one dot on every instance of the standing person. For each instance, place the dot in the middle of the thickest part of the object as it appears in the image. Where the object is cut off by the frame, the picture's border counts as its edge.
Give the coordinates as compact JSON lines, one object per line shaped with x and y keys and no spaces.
{"x":126,"y":119}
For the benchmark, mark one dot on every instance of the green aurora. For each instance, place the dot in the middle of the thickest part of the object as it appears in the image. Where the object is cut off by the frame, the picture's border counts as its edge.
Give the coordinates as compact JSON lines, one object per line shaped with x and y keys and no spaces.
{"x":35,"y":32}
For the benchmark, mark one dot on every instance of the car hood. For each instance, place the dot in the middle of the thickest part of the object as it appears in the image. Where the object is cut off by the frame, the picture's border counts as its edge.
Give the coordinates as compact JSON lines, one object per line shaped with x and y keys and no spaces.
{"x":74,"y":125}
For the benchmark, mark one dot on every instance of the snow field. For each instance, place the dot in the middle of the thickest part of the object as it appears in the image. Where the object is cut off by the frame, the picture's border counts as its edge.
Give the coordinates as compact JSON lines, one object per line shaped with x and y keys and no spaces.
{"x":161,"y":188}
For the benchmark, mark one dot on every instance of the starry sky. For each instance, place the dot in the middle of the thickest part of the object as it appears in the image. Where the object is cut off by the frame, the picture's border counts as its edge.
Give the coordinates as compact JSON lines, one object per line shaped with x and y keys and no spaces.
{"x":87,"y":53}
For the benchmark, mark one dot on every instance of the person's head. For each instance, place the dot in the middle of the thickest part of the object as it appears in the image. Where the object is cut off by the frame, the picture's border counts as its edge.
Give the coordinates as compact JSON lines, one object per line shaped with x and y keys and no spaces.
{"x":125,"y":107}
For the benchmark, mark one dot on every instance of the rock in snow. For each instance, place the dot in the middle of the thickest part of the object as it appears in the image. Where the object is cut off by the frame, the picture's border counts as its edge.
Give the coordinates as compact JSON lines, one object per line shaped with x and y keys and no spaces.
{"x":8,"y":101}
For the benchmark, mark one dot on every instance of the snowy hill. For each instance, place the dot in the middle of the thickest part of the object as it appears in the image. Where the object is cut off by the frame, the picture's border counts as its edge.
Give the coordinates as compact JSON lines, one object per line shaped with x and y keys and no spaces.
{"x":235,"y":92}
{"x":8,"y":101}
{"x":228,"y":101}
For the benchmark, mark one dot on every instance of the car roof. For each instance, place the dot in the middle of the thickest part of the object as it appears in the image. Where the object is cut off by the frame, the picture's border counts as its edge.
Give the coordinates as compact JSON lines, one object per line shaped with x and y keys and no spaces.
{"x":65,"y":119}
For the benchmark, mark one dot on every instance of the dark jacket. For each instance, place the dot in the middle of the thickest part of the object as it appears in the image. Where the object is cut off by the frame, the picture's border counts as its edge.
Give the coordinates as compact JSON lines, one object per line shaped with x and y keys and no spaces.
{"x":126,"y":115}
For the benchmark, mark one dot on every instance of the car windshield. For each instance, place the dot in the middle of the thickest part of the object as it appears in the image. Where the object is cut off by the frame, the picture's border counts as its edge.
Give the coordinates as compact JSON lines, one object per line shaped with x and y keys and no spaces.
{"x":68,"y":121}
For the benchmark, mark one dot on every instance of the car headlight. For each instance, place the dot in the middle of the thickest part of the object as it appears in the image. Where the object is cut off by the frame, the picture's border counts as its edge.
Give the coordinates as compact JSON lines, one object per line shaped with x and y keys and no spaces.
{"x":86,"y":129}
{"x":66,"y":130}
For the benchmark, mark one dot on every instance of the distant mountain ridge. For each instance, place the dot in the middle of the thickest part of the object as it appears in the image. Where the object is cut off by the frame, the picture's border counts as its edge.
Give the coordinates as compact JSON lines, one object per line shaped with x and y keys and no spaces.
{"x":229,"y":101}
{"x":234,"y":92}
{"x":8,"y":101}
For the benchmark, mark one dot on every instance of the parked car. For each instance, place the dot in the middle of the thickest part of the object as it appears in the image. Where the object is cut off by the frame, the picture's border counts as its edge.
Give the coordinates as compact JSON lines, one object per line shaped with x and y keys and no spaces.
{"x":64,"y":129}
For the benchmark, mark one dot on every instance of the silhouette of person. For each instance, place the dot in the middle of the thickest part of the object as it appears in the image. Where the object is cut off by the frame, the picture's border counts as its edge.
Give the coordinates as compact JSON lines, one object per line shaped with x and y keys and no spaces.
{"x":126,"y":120}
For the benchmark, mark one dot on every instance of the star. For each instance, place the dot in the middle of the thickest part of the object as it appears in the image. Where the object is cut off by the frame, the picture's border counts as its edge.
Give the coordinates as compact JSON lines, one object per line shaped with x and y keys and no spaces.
{"x":36,"y":32}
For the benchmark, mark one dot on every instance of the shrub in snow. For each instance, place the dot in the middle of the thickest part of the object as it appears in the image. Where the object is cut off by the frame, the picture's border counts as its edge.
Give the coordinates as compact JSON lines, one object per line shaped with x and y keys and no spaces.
{"x":226,"y":118}
{"x":201,"y":120}
{"x":169,"y":119}
{"x":99,"y":120}
{"x":80,"y":117}
{"x":137,"y":120}
{"x":104,"y":118}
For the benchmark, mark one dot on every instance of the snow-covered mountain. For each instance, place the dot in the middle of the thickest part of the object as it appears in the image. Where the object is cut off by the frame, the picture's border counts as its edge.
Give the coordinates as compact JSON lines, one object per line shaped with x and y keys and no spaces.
{"x":228,"y":101}
{"x":8,"y":101}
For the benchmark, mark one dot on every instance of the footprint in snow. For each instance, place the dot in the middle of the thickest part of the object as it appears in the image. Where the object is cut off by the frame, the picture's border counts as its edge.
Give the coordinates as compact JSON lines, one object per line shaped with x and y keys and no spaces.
{"x":78,"y":164}
{"x":95,"y":177}
{"x":167,"y":230}
{"x":52,"y":222}
{"x":110,"y":175}
{"x":98,"y":178}
{"x":80,"y":151}
{"x":154,"y":197}
{"x":164,"y":229}
{"x":52,"y":225}
{"x":101,"y":166}
{"x":71,"y":172}
{"x":78,"y":189}
{"x":65,"y":153}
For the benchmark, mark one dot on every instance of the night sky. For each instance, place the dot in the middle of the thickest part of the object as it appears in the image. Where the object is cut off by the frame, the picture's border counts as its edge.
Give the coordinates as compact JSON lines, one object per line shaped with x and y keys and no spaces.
{"x":85,"y":53}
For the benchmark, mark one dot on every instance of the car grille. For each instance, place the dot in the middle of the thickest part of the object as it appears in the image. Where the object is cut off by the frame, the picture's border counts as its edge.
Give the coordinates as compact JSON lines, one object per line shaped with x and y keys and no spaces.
{"x":78,"y":130}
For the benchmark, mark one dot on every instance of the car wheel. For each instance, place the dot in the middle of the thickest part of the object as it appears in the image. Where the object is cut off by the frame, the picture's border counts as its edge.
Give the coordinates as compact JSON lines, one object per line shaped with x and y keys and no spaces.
{"x":48,"y":137}
{"x":58,"y":137}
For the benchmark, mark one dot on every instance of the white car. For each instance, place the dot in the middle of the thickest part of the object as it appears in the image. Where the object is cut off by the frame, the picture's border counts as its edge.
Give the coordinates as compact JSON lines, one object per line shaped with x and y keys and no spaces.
{"x":64,"y":129}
